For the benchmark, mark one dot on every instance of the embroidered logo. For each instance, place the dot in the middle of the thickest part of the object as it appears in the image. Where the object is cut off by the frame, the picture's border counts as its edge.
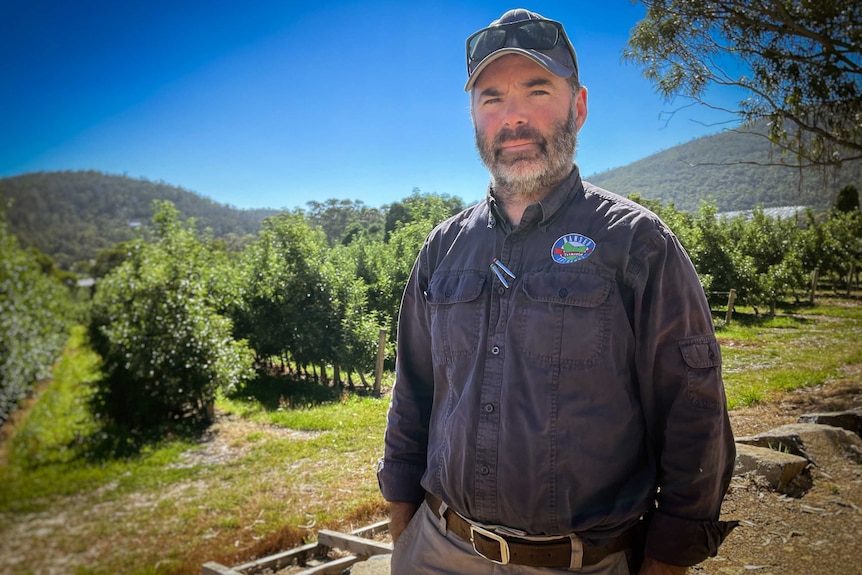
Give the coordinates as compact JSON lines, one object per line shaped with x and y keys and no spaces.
{"x":572,"y":248}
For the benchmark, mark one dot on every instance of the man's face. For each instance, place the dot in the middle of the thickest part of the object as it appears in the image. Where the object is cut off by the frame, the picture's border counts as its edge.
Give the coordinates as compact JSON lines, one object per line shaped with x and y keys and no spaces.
{"x":526,"y":124}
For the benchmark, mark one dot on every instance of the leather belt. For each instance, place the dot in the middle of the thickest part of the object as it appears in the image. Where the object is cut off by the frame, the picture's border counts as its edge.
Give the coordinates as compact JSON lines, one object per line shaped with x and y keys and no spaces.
{"x":504,"y":549}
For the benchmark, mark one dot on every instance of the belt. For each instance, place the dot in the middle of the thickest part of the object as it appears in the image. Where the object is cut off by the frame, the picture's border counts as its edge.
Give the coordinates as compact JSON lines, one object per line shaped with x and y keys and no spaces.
{"x":504,"y":549}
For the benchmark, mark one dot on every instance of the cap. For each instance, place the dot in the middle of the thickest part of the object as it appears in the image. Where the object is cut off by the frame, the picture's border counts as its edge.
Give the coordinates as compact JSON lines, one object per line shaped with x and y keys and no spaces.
{"x":525,"y":33}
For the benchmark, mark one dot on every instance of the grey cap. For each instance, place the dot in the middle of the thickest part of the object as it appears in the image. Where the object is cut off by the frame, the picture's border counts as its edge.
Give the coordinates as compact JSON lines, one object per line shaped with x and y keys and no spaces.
{"x":559,"y":59}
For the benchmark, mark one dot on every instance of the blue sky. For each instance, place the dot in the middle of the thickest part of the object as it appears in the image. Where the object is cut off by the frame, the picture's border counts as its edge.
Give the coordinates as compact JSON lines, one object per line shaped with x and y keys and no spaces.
{"x":273,"y":104}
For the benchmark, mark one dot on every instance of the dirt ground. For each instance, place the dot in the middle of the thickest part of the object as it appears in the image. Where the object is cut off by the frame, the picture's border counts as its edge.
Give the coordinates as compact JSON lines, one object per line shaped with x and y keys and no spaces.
{"x":819,"y":533}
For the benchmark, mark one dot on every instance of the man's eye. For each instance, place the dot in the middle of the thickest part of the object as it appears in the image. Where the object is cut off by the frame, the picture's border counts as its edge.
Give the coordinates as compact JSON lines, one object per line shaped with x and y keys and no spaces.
{"x":491,"y":101}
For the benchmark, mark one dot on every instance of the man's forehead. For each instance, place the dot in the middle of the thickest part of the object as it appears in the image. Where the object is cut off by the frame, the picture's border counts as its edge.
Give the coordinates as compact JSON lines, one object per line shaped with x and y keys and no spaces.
{"x":514,"y":68}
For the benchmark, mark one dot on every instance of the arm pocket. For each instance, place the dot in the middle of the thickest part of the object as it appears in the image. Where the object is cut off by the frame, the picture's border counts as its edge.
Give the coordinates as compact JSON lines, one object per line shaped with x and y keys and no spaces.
{"x":702,"y":358}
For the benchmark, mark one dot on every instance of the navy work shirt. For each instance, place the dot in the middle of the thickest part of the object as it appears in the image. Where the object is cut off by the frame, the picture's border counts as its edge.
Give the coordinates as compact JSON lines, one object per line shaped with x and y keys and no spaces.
{"x":583,"y":395}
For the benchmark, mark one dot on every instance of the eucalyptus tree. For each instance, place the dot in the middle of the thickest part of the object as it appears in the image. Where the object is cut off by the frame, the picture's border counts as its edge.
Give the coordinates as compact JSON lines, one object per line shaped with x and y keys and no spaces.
{"x":798,"y":66}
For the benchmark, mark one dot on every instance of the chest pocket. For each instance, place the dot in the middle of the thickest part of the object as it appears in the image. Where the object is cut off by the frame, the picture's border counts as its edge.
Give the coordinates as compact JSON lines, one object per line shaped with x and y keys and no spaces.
{"x":456,"y":314}
{"x":565,"y":318}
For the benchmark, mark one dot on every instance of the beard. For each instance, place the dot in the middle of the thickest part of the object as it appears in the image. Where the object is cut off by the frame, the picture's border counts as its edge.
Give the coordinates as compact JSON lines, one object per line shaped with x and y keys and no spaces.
{"x":529,"y":175}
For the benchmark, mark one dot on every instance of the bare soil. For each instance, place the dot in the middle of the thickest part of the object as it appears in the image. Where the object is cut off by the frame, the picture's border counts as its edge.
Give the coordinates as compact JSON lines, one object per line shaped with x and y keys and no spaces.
{"x":819,"y":533}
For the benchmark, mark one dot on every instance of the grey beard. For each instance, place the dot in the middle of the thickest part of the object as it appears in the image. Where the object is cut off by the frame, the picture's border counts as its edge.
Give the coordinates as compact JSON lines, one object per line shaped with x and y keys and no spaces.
{"x":556,"y":154}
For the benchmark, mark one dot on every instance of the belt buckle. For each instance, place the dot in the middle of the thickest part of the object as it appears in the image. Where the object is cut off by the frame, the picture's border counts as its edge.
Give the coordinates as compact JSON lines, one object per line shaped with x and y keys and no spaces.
{"x":504,"y":545}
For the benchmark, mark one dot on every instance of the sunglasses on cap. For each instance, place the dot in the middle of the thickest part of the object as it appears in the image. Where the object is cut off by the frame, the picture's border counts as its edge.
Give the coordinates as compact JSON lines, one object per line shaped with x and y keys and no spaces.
{"x":526,"y":34}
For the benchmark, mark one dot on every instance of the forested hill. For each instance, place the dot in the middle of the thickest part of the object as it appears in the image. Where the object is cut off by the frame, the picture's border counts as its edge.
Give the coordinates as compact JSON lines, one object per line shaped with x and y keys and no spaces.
{"x":687,"y":174}
{"x":73,"y":215}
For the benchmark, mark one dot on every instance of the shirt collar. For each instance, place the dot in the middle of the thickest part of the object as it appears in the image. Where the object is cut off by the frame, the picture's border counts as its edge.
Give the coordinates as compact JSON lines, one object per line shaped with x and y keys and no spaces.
{"x":550,"y":205}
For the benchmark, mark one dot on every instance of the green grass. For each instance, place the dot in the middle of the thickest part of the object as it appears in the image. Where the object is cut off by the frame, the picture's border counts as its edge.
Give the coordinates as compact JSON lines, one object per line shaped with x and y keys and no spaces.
{"x":296,"y":457}
{"x":765,"y":355}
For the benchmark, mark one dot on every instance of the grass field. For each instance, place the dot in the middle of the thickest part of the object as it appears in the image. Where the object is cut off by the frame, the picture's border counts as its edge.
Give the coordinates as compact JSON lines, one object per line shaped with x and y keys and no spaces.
{"x":284,"y":460}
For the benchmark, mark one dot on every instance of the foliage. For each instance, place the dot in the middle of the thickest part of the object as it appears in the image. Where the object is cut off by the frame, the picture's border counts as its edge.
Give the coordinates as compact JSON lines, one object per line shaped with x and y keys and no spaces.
{"x":798,"y":63}
{"x":343,"y":221}
{"x":166,"y":350}
{"x":419,"y":206}
{"x":34,"y":311}
{"x":848,"y":199}
{"x":834,"y":245}
{"x":286,"y":296}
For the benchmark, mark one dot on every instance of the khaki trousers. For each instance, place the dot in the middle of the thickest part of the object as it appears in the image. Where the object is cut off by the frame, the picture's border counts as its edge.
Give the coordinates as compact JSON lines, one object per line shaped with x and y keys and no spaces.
{"x":427,"y":548}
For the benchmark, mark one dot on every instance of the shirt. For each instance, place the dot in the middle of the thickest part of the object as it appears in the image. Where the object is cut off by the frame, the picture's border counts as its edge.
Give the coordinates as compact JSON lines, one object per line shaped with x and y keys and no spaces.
{"x":574,"y":397}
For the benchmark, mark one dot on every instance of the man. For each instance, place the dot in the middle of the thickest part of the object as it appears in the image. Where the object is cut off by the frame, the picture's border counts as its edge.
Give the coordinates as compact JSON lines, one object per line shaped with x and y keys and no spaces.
{"x":558,"y":403}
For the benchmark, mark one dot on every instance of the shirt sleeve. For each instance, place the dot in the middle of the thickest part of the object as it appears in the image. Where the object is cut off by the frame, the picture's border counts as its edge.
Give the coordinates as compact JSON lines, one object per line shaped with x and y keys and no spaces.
{"x":682,"y":393}
{"x":403,"y":464}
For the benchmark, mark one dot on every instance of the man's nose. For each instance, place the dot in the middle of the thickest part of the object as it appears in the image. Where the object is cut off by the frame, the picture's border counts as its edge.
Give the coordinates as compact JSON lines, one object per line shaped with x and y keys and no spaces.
{"x":515,"y":113}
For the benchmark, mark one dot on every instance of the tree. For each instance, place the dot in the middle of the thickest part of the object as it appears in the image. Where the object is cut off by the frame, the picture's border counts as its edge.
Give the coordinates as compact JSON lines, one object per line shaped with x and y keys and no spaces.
{"x":34,"y":312}
{"x":848,"y":199}
{"x":800,"y":64}
{"x":287,"y":303}
{"x":165,"y":349}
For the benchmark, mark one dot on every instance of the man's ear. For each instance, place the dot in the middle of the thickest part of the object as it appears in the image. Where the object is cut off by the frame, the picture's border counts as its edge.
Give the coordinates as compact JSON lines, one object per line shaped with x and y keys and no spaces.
{"x":580,"y":105}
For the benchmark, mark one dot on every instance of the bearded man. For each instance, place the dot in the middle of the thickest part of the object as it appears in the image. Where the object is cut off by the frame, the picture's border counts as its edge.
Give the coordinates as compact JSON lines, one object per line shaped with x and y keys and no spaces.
{"x":558,"y":403}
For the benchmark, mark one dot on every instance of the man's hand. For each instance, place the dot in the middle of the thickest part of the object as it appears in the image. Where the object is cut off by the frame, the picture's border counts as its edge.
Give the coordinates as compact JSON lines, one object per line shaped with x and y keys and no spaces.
{"x":653,"y":567}
{"x":399,"y":516}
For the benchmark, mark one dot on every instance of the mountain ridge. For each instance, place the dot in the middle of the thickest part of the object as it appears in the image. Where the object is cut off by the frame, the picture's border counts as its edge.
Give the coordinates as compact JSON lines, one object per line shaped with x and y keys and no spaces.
{"x":719,"y":169}
{"x":71,"y":215}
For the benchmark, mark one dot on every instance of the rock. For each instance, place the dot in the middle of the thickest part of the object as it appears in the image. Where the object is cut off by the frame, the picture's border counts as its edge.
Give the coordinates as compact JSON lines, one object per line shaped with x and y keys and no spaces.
{"x":778,"y":468}
{"x":850,"y":420}
{"x":816,"y":443}
{"x":375,"y":565}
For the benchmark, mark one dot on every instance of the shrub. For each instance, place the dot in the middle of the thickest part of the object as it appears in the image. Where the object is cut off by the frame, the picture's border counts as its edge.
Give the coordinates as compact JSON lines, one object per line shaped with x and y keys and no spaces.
{"x":165,"y":349}
{"x":34,"y":308}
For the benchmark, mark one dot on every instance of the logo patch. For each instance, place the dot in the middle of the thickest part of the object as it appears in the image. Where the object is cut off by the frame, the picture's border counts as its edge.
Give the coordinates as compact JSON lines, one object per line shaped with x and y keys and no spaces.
{"x":572,"y":248}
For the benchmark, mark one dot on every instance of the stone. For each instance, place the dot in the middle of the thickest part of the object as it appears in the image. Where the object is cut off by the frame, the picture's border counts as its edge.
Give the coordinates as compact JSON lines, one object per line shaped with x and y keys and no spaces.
{"x":850,"y":420}
{"x":815,"y":442}
{"x":778,"y":468}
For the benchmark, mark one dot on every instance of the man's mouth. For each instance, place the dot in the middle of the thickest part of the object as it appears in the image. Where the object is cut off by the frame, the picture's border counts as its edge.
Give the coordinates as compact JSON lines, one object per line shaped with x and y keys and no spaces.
{"x":517,"y":145}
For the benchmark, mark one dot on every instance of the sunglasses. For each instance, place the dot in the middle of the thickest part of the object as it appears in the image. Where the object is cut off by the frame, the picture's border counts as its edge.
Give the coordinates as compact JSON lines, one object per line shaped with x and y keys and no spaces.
{"x":527,"y":34}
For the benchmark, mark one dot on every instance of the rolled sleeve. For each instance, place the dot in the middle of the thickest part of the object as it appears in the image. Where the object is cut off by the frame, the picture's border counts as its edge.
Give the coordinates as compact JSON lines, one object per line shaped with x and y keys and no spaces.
{"x":399,"y":482}
{"x":684,"y":542}
{"x":679,"y":369}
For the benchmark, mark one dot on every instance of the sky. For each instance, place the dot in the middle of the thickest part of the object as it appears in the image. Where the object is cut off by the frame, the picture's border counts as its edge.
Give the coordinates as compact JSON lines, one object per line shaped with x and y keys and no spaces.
{"x":272,"y":104}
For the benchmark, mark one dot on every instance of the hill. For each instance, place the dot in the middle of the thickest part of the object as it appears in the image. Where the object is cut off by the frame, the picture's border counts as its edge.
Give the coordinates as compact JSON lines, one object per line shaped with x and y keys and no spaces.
{"x":710,"y":168}
{"x":73,"y":215}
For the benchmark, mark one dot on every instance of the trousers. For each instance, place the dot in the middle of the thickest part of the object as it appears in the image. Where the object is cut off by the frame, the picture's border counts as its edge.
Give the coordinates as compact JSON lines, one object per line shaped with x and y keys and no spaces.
{"x":426,"y":547}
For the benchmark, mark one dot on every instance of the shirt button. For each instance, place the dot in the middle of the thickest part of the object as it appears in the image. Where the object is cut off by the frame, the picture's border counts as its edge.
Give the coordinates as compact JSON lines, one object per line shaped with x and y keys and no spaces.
{"x":495,"y":350}
{"x":484,"y":470}
{"x":489,"y":408}
{"x":501,"y":290}
{"x":563,"y":292}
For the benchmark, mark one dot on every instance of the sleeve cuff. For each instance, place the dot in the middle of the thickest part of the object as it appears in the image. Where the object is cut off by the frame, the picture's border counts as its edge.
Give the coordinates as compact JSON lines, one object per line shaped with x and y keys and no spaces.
{"x":400,"y":482}
{"x":684,"y":542}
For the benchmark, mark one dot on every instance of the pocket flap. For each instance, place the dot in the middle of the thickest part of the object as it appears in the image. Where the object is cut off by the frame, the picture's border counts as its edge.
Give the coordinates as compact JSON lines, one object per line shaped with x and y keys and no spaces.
{"x":458,"y":288}
{"x":701,"y":352}
{"x":580,"y":289}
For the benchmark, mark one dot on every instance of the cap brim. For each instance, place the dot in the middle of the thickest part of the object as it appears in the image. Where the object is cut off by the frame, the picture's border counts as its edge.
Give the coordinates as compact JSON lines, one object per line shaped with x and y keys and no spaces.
{"x":543,"y":60}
